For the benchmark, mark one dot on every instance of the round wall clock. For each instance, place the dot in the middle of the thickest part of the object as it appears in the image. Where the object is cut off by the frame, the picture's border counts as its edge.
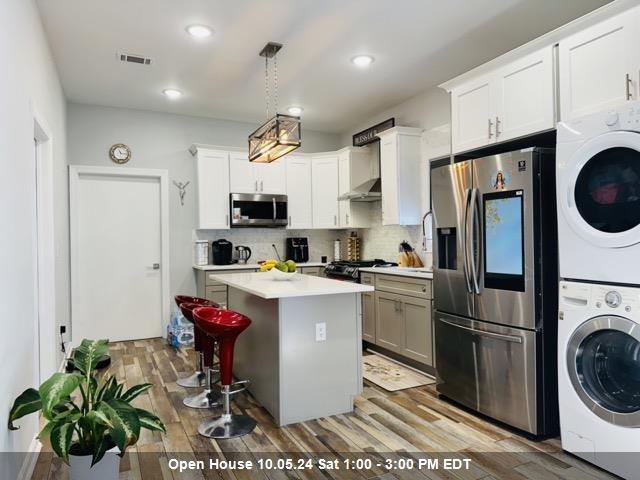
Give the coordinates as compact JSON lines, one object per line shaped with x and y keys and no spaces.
{"x":120,"y":153}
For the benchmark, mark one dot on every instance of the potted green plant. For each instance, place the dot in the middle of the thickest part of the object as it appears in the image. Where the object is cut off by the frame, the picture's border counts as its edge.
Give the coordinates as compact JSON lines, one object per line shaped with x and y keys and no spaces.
{"x":87,"y":415}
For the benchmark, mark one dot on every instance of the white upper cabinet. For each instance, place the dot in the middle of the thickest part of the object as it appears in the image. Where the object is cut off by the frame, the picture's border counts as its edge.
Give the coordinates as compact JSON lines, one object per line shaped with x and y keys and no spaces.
{"x":212,"y":185}
{"x":400,"y":163}
{"x":251,"y":177}
{"x":299,"y":191}
{"x":525,"y":98}
{"x":271,"y":177}
{"x":352,"y":214}
{"x":472,"y":115}
{"x":599,"y":66}
{"x":241,"y":176}
{"x":325,"y":191}
{"x":509,"y":102}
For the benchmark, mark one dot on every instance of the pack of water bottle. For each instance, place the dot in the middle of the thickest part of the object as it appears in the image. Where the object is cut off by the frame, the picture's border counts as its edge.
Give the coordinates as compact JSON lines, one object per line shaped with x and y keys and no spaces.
{"x":179,"y":331}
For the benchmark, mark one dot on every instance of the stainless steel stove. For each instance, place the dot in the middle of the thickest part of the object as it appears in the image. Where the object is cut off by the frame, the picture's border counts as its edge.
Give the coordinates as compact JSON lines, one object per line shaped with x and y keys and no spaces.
{"x":350,"y":271}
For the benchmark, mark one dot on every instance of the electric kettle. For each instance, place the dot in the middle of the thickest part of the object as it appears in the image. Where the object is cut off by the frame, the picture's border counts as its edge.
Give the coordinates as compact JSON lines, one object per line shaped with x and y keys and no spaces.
{"x":244,"y":253}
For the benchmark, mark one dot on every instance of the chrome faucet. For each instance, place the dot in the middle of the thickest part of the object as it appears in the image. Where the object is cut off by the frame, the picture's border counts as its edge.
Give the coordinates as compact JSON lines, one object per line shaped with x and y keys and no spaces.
{"x":424,"y":232}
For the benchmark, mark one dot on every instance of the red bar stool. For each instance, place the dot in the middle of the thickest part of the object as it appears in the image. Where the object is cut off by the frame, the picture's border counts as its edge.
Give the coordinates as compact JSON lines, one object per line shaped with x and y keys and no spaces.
{"x":225,"y":325}
{"x":197,"y":379}
{"x":209,"y":397}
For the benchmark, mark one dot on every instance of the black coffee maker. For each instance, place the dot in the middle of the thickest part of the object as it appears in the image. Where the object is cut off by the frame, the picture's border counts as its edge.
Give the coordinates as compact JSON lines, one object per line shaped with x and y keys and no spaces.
{"x":222,"y":252}
{"x":297,"y":249}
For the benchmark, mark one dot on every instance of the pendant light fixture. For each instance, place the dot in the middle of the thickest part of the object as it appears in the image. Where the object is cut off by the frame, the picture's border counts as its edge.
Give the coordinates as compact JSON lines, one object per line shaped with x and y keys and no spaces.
{"x":280,"y":134}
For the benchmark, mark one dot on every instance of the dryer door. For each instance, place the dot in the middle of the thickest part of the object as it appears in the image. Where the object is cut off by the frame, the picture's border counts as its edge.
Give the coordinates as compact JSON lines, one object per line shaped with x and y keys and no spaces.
{"x":603,"y":359}
{"x":601,"y":191}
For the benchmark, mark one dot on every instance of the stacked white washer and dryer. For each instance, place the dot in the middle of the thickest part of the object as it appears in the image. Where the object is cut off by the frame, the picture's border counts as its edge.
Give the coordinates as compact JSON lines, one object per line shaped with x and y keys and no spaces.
{"x":598,"y":192}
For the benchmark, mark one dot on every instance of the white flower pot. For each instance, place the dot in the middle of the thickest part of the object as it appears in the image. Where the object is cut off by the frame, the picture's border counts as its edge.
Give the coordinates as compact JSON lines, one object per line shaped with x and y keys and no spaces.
{"x":105,"y":469}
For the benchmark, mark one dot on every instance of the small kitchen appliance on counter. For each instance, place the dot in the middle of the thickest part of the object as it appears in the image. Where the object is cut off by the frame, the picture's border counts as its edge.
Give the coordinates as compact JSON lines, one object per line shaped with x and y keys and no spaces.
{"x":201,"y":252}
{"x":297,"y":249}
{"x":244,"y":254}
{"x":222,"y":252}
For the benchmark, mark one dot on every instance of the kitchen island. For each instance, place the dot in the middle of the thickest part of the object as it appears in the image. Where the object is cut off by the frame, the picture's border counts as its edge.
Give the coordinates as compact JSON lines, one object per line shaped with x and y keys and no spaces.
{"x":303,"y":351}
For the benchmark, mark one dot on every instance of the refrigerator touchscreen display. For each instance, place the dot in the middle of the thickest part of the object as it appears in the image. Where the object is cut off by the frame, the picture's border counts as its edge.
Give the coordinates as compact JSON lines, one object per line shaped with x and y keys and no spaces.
{"x":503,"y":240}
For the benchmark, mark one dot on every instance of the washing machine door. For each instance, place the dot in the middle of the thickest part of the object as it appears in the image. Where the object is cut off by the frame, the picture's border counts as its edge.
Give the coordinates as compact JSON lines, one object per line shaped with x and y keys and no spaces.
{"x":603,"y":359}
{"x":602,"y":190}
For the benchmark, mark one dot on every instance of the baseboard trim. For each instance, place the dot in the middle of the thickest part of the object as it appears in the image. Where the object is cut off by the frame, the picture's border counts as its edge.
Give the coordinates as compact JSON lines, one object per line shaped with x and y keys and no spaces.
{"x":29,"y":463}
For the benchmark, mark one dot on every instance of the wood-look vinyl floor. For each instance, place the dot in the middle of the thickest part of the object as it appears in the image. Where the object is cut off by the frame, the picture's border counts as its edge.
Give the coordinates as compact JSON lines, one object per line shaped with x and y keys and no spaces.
{"x":383,"y":424}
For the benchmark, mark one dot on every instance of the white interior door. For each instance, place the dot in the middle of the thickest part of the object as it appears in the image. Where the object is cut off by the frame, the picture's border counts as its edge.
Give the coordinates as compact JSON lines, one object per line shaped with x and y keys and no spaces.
{"x":117,"y":245}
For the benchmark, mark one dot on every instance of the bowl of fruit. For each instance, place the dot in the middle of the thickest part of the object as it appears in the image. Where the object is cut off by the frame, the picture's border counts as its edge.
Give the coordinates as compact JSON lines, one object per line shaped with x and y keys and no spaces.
{"x":279,"y":270}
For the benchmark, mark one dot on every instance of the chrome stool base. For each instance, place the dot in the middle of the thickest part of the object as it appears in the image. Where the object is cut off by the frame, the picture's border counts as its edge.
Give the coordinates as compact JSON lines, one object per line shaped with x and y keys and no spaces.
{"x":195,"y":380}
{"x":206,"y":399}
{"x":227,"y":426}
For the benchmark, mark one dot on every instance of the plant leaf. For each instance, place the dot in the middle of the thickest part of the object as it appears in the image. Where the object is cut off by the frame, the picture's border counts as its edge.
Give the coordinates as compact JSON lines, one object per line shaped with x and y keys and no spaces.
{"x":61,"y":440}
{"x":111,"y":390}
{"x":126,"y":424}
{"x":56,"y":389}
{"x":150,"y":421}
{"x":100,"y":449}
{"x":99,"y":416}
{"x":68,"y":416}
{"x":26,"y":403}
{"x":133,"y":392}
{"x":86,"y":356}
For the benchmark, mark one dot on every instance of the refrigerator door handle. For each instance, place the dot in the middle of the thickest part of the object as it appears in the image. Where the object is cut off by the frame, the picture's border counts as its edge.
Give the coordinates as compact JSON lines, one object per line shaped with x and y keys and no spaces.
{"x":465,"y":242}
{"x":484,"y":333}
{"x":475,"y":229}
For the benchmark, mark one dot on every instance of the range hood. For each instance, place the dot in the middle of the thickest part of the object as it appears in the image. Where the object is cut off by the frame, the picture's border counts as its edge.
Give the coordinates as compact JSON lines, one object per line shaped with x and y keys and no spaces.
{"x":364,"y":176}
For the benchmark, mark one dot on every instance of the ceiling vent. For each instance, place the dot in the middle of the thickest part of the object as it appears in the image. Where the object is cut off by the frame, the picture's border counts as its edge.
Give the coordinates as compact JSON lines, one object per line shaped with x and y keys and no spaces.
{"x":130,"y":58}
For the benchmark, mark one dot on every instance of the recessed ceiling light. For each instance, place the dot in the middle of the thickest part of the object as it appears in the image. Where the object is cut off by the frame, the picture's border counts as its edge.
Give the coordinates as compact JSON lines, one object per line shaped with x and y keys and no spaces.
{"x":199,"y":31}
{"x":295,"y":110}
{"x":362,"y":60}
{"x":172,"y":93}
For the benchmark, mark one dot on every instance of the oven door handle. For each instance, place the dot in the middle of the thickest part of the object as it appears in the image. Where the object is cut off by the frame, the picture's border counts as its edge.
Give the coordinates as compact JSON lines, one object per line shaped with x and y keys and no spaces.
{"x":483,"y":333}
{"x":465,"y":229}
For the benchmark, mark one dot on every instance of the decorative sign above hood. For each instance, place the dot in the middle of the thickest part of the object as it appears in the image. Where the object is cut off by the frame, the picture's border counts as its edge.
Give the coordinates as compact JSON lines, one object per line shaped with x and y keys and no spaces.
{"x":369,"y":135}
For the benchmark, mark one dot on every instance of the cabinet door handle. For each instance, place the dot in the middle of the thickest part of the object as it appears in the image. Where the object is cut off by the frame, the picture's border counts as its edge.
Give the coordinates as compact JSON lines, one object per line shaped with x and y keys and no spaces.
{"x":347,"y":216}
{"x":498,"y":132}
{"x":490,"y":127}
{"x":627,"y":84}
{"x":226,"y":220}
{"x":261,"y":185}
{"x":255,"y":188}
{"x":289,"y":219}
{"x":335,"y":220}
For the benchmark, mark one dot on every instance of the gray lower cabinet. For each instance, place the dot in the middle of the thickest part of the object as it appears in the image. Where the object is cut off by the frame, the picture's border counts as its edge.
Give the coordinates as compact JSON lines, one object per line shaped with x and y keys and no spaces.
{"x":403,"y":325}
{"x":212,"y":290}
{"x":398,"y":316}
{"x":369,"y":317}
{"x":389,"y":322}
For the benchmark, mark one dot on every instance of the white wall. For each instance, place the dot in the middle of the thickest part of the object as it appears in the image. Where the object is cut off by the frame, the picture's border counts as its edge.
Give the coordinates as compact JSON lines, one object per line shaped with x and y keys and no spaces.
{"x":429,"y":110}
{"x":161,"y":140}
{"x":28,"y":78}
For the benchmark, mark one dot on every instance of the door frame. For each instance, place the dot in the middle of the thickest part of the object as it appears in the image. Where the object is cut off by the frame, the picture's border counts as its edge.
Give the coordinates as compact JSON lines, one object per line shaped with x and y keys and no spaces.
{"x":44,"y":250}
{"x":75,"y":172}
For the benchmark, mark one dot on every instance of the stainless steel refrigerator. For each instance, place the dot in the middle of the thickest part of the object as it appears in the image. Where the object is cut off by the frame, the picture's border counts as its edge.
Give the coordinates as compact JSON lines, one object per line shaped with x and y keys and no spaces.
{"x":495,"y":286}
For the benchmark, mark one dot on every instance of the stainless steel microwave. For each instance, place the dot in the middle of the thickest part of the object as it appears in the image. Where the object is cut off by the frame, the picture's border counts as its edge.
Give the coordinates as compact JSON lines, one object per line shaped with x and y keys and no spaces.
{"x":258,"y":210}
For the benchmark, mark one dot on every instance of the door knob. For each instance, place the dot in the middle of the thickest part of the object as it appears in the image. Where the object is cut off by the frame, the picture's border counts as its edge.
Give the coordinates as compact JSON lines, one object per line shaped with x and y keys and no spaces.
{"x":156,"y":266}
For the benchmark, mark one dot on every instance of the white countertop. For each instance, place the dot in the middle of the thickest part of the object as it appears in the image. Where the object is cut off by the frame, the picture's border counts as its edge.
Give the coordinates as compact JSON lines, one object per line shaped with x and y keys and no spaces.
{"x":249,"y":266}
{"x":401,"y":271}
{"x":262,"y":285}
